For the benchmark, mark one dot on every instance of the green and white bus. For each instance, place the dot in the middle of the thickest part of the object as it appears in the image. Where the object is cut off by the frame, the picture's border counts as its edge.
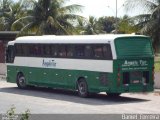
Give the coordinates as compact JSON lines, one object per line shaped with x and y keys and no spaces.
{"x":113,"y":64}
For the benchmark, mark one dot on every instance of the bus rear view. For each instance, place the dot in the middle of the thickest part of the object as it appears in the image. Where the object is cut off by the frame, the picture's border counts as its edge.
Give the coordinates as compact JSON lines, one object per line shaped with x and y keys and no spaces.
{"x":134,"y":64}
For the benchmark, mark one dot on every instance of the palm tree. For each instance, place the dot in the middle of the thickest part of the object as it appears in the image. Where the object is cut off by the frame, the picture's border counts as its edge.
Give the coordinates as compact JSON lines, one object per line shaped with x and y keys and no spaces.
{"x":91,"y":26}
{"x":149,"y":22}
{"x":127,"y":25}
{"x":81,"y":25}
{"x":51,"y":17}
{"x":108,"y":24}
{"x":4,"y":5}
{"x":11,"y":12}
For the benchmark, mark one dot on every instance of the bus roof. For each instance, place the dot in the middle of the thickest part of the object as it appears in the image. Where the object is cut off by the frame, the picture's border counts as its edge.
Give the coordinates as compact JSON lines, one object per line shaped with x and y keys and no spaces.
{"x":11,"y":42}
{"x":72,"y":38}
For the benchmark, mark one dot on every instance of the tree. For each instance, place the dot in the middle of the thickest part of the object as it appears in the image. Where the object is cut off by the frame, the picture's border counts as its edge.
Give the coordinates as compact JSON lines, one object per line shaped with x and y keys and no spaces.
{"x":4,"y":6}
{"x":89,"y":26}
{"x":10,"y":13}
{"x":127,"y":26}
{"x":81,"y":25}
{"x":150,"y":22}
{"x":107,"y":23}
{"x":51,"y":17}
{"x":92,"y":26}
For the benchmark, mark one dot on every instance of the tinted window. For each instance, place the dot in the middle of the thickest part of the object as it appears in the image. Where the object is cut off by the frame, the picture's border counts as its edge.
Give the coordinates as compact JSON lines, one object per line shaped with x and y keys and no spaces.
{"x":98,"y":51}
{"x":62,"y":51}
{"x":47,"y":50}
{"x":10,"y":54}
{"x":129,"y":47}
{"x":102,"y":51}
{"x":88,"y":51}
{"x":70,"y":51}
{"x":107,"y":52}
{"x":19,"y":50}
{"x":79,"y":51}
{"x":82,"y":51}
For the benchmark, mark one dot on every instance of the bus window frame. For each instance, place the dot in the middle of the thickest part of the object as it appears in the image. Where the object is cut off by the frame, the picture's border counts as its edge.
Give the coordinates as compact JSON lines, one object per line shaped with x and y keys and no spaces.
{"x":56,"y":47}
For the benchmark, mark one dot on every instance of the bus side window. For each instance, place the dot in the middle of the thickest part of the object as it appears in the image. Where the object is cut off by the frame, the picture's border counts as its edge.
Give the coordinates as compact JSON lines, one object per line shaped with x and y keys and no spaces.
{"x":10,"y":54}
{"x":25,"y":50}
{"x":53,"y":51}
{"x":98,"y":52}
{"x":62,"y":52}
{"x":37,"y":50}
{"x":46,"y":50}
{"x":31,"y":51}
{"x":107,"y":52}
{"x":88,"y":51}
{"x":19,"y":50}
{"x":79,"y":51}
{"x":69,"y":51}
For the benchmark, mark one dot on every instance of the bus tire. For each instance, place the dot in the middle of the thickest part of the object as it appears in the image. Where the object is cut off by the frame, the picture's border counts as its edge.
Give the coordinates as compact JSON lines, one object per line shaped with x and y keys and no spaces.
{"x":82,"y":88}
{"x":21,"y":82}
{"x":113,"y":94}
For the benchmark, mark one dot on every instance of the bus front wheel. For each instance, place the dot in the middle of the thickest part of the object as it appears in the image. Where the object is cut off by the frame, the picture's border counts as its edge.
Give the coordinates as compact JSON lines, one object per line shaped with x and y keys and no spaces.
{"x":21,"y":82}
{"x":82,"y":88}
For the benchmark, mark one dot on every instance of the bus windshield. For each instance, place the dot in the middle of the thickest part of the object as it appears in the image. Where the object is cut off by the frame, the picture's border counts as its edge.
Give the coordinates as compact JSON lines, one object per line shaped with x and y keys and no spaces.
{"x":127,"y":47}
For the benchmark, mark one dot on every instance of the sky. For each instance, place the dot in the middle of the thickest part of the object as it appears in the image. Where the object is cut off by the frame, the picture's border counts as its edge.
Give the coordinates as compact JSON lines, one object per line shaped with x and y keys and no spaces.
{"x":100,"y":8}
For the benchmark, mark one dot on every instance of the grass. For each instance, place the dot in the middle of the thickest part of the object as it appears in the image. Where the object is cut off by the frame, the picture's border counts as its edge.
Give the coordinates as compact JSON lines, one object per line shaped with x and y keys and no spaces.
{"x":157,"y":65}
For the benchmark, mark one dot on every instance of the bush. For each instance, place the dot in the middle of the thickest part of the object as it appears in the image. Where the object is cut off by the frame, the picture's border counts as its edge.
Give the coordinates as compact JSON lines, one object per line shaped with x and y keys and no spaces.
{"x":11,"y":115}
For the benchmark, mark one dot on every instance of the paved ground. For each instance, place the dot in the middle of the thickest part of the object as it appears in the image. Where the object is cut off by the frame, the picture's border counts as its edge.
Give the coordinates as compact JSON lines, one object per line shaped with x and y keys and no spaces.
{"x":39,"y":100}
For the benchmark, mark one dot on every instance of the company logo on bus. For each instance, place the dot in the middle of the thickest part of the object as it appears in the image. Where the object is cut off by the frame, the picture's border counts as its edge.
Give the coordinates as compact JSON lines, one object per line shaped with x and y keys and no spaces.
{"x":134,"y":63}
{"x":48,"y":63}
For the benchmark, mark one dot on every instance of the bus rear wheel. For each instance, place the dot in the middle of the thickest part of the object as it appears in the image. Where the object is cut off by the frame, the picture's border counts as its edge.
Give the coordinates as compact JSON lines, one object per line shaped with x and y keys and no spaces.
{"x":113,"y":94}
{"x":21,"y":82}
{"x":82,"y":88}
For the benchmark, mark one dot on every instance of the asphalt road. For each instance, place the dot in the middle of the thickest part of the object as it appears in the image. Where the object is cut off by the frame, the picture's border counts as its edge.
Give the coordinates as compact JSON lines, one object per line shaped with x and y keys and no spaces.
{"x":49,"y":101}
